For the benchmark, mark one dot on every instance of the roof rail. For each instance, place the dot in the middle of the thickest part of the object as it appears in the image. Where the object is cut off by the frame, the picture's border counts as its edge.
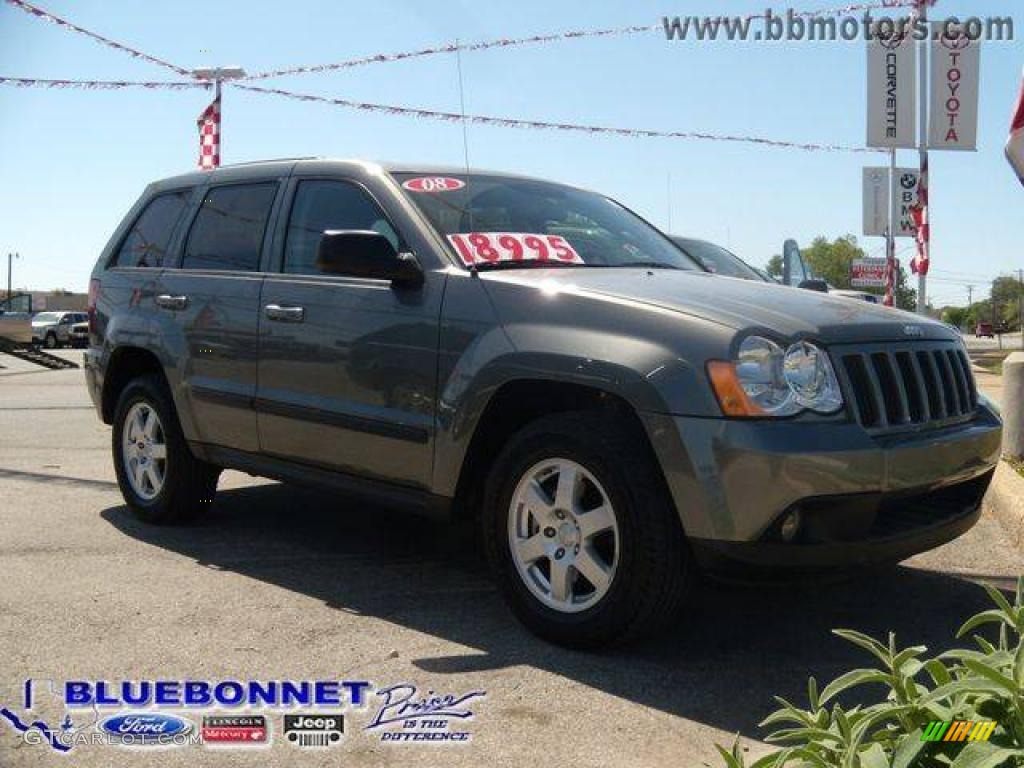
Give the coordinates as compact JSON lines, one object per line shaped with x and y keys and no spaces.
{"x":270,"y":160}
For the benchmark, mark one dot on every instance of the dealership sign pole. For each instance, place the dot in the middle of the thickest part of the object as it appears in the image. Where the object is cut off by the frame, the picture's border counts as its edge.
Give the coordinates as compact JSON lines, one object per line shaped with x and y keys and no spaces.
{"x":892,"y":79}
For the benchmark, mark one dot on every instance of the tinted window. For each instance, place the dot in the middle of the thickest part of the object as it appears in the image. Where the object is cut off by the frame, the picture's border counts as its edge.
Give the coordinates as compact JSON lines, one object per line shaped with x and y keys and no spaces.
{"x":323,"y":205}
{"x":228,"y":230}
{"x":147,"y":242}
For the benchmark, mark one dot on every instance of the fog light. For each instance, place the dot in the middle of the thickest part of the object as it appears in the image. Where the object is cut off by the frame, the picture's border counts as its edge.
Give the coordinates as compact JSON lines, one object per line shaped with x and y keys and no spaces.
{"x":790,"y":526}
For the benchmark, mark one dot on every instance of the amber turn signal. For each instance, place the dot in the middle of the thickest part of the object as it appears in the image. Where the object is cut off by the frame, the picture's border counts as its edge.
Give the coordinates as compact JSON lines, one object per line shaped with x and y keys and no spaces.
{"x":731,"y":397}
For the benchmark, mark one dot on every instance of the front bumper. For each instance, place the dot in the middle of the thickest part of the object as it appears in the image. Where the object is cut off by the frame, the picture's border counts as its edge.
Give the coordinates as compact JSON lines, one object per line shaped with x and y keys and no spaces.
{"x":860,"y":498}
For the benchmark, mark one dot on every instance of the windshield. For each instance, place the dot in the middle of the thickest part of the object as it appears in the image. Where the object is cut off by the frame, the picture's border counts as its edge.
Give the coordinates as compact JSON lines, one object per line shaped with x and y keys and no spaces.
{"x":46,"y":317}
{"x":717,"y":259}
{"x":504,"y":222}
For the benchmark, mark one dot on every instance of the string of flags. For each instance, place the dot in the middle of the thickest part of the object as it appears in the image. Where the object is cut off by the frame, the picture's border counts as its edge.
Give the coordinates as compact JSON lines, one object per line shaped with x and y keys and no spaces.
{"x":39,"y":13}
{"x":508,"y":122}
{"x":209,"y":121}
{"x":103,"y":85}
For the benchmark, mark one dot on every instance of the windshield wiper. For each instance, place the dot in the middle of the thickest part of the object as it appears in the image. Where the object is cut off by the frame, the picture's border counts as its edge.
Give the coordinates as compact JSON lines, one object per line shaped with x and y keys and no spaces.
{"x":526,"y":264}
{"x":647,"y":265}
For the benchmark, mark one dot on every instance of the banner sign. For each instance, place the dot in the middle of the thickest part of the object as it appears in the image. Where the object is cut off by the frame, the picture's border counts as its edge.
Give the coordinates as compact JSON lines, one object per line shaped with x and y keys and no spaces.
{"x":906,"y":197}
{"x":955,"y":74}
{"x":869,"y":273}
{"x":876,"y":201}
{"x":892,"y":89}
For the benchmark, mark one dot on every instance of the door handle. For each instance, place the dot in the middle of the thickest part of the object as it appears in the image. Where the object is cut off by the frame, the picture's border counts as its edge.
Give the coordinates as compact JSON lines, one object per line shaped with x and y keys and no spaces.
{"x":172,"y":302}
{"x":285,"y":314}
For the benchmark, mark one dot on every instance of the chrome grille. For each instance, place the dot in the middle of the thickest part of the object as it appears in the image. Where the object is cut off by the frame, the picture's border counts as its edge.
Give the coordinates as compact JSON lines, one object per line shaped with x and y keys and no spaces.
{"x":892,"y":387}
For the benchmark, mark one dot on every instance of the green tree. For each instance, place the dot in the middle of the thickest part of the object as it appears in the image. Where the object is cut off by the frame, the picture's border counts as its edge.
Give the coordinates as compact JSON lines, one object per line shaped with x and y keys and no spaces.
{"x":831,"y":261}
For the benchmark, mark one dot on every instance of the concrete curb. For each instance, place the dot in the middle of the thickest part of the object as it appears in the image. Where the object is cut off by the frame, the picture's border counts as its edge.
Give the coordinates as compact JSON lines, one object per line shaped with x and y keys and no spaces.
{"x":1005,"y":502}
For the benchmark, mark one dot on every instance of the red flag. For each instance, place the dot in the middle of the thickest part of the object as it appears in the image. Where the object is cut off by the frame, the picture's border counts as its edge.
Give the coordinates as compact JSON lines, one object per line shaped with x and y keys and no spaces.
{"x":1015,"y":144}
{"x":209,"y":136}
{"x":919,"y":213}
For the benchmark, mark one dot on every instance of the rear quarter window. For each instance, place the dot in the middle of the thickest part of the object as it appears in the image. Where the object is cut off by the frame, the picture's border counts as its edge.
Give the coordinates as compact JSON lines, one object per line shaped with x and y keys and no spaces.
{"x":147,"y":241}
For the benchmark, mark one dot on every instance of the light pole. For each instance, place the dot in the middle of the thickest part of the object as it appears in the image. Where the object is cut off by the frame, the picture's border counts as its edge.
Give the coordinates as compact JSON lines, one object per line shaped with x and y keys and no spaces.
{"x":218,"y":75}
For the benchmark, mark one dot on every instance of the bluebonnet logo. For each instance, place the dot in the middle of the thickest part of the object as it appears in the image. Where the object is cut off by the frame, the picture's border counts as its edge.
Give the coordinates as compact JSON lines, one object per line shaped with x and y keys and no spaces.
{"x":405,"y":717}
{"x":146,"y":728}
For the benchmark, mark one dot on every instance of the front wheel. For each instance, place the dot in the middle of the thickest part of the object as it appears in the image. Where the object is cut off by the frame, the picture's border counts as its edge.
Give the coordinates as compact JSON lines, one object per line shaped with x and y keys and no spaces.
{"x":160,"y":479}
{"x":50,"y":342}
{"x":581,"y":534}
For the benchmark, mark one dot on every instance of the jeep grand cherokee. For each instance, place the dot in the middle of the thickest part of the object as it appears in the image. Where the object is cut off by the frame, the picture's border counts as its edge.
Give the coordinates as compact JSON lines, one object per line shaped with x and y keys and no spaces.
{"x":533,"y":355}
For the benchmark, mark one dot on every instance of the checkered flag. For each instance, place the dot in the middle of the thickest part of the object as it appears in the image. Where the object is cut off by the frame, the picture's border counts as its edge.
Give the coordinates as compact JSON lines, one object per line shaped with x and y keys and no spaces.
{"x":209,"y":136}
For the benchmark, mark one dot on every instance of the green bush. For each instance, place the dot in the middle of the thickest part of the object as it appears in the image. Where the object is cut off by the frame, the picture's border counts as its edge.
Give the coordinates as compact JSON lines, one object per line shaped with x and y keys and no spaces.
{"x":962,"y":684}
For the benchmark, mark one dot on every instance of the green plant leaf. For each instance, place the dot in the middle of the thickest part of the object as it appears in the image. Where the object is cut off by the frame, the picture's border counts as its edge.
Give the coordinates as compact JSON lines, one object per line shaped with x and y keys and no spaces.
{"x":812,"y":694}
{"x":938,"y":672}
{"x":993,"y":674}
{"x":990,"y":616}
{"x":1018,"y":664}
{"x":907,"y":654}
{"x":999,"y":599}
{"x":869,"y":644}
{"x":873,"y":757}
{"x":852,"y":679}
{"x":984,"y":754}
{"x":727,"y":756}
{"x":907,"y":749}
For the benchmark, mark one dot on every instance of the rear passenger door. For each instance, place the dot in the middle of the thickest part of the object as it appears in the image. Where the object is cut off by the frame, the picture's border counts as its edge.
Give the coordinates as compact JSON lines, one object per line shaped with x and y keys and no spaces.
{"x":212,"y":299}
{"x":348,"y":366}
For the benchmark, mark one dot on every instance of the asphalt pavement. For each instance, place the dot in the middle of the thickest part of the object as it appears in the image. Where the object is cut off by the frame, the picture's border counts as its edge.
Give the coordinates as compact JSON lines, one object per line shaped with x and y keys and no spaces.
{"x":278,"y":582}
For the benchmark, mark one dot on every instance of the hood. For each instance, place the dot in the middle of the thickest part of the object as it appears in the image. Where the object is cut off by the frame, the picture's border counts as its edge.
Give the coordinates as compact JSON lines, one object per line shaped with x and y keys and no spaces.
{"x":738,"y":304}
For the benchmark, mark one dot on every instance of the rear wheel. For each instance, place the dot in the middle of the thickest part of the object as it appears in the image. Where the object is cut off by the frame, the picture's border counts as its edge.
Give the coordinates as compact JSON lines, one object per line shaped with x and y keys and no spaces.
{"x":160,"y":479}
{"x":581,"y":534}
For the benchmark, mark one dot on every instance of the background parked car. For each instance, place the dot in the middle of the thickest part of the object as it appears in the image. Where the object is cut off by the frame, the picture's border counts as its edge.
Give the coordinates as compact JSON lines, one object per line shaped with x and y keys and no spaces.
{"x":981,"y":330}
{"x":717,"y":259}
{"x":53,"y":329}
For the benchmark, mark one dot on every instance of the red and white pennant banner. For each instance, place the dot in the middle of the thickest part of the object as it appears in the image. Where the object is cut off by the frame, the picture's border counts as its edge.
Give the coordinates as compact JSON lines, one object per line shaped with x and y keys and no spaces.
{"x":65,"y":24}
{"x":509,"y":42}
{"x":508,"y":122}
{"x":101,"y":85}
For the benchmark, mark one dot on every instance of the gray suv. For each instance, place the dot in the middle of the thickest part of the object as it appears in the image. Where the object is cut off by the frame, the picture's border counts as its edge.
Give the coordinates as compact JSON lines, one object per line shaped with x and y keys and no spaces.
{"x":536,"y":357}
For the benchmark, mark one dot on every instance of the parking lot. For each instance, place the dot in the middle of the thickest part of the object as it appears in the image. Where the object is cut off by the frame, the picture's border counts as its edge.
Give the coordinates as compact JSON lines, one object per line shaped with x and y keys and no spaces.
{"x":284,"y":583}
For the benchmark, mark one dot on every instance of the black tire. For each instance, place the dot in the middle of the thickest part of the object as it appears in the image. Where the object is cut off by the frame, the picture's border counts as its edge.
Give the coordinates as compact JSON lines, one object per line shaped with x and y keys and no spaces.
{"x":654,"y":566}
{"x":189,"y":484}
{"x":50,"y":342}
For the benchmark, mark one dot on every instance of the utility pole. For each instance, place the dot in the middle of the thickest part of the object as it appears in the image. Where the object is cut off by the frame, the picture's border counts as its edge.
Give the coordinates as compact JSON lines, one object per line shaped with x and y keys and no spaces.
{"x":10,"y":261}
{"x":970,"y":296}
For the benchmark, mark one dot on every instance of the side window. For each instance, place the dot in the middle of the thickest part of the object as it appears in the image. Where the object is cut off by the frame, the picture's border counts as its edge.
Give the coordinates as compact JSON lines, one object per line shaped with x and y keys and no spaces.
{"x":147,"y":242}
{"x":228,"y":230}
{"x":323,"y":205}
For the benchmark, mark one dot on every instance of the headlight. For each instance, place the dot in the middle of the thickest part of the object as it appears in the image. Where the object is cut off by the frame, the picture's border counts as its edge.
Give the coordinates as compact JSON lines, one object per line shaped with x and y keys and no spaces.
{"x":767,"y":380}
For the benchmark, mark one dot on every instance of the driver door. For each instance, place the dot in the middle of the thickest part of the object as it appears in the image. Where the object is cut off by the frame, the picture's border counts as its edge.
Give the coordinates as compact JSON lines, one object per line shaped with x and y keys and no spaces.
{"x":347,"y":366}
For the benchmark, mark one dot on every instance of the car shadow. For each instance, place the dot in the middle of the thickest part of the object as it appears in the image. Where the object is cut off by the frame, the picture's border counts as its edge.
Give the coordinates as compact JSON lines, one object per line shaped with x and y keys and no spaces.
{"x":737,"y":645}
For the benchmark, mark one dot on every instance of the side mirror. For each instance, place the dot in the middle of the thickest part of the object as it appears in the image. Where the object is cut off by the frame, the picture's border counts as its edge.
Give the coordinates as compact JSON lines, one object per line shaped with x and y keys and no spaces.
{"x":366,"y":253}
{"x":814,"y":285}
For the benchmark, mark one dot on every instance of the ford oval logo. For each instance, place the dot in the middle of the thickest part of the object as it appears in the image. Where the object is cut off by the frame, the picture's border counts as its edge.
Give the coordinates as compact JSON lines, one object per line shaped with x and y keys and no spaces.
{"x":146,"y":728}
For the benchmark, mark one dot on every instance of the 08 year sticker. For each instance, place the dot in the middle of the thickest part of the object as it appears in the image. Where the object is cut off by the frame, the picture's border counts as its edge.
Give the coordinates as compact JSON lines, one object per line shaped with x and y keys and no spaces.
{"x":433,"y":184}
{"x":492,"y":247}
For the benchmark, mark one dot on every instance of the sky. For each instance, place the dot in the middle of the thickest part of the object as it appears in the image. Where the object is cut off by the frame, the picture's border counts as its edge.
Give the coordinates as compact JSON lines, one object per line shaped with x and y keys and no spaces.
{"x":73,"y":162}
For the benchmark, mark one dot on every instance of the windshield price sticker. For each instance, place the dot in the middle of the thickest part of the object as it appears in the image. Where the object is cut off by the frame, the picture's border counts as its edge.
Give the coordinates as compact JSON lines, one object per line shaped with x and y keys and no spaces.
{"x":493,"y":247}
{"x":433,"y":184}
